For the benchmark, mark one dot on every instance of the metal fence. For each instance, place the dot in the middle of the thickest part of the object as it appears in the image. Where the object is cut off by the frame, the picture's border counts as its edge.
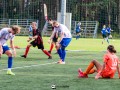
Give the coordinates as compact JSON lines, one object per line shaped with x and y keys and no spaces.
{"x":23,"y":23}
{"x":103,"y":11}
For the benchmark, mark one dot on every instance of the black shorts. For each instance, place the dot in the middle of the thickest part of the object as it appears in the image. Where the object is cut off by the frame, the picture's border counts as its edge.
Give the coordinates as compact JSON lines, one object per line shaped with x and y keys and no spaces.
{"x":104,"y":35}
{"x":34,"y":44}
{"x":108,"y":34}
{"x":55,"y":39}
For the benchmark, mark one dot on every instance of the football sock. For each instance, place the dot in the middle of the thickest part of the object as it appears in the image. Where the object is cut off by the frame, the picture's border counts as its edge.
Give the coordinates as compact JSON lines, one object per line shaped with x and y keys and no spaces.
{"x":108,"y":41}
{"x":10,"y":62}
{"x":46,"y":52}
{"x":51,"y":47}
{"x":63,"y":54}
{"x":91,"y":71}
{"x":60,"y":53}
{"x":90,"y":66}
{"x":27,"y":50}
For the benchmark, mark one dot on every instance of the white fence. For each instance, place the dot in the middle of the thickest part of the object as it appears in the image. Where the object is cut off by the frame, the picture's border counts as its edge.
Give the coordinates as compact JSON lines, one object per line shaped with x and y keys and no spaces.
{"x":23,"y":23}
{"x":89,"y":28}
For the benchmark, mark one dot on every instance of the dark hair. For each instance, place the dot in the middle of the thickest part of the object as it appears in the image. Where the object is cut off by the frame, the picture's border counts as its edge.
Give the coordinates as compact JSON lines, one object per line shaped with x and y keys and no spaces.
{"x":111,"y":49}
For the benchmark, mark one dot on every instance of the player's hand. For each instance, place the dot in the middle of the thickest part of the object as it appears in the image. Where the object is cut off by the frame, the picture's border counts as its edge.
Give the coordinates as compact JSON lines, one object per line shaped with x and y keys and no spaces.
{"x":28,"y":40}
{"x":98,"y":75}
{"x":14,"y":53}
{"x":49,"y":41}
{"x":0,"y":54}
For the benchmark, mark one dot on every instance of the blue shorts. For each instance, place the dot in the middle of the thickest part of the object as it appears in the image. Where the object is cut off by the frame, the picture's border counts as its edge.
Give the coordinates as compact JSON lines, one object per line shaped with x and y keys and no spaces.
{"x":65,"y":42}
{"x":5,"y":48}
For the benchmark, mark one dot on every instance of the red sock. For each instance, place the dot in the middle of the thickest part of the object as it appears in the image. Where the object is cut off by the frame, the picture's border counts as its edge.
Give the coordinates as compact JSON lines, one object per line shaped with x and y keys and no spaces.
{"x":27,"y":50}
{"x":51,"y":47}
{"x":46,"y":52}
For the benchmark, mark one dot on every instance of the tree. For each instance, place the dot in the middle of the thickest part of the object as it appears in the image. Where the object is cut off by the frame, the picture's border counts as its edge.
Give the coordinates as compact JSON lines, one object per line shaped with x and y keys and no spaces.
{"x":119,"y":15}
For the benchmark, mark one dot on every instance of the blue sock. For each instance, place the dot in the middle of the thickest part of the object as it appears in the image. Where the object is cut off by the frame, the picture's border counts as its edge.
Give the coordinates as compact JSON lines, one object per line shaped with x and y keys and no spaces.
{"x":60,"y":53}
{"x":77,"y":37}
{"x":108,"y":41}
{"x":10,"y":62}
{"x":63,"y":54}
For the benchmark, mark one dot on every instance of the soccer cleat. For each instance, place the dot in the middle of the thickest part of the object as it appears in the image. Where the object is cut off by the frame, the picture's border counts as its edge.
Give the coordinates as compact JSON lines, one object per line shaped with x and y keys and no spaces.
{"x":9,"y":72}
{"x":49,"y":52}
{"x":81,"y":74}
{"x":60,"y":62}
{"x":50,"y":57}
{"x":23,"y":56}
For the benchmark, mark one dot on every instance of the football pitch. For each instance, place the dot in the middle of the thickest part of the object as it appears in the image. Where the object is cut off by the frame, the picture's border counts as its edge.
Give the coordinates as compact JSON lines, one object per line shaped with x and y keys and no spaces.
{"x":36,"y":72}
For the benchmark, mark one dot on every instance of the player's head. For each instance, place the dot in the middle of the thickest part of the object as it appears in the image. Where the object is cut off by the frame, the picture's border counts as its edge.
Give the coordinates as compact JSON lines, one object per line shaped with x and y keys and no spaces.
{"x":15,"y":29}
{"x":34,"y":25}
{"x":55,"y":24}
{"x":79,"y":23}
{"x":104,"y":26}
{"x":111,"y":49}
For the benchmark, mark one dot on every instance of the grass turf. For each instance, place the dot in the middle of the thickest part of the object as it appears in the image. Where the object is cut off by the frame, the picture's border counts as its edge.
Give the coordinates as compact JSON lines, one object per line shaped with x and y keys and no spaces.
{"x":43,"y":74}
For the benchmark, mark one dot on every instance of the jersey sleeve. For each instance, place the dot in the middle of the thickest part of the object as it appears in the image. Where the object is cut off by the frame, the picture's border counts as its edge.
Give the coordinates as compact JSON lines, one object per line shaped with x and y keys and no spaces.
{"x":105,"y":58}
{"x":2,"y":32}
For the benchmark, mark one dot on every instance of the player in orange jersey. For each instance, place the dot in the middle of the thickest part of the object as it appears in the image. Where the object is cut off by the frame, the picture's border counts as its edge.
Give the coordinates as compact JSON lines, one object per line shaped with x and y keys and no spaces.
{"x":107,"y":70}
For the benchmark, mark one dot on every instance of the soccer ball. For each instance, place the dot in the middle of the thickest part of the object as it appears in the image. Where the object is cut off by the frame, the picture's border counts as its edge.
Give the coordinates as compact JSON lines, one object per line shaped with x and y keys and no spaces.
{"x":53,"y":87}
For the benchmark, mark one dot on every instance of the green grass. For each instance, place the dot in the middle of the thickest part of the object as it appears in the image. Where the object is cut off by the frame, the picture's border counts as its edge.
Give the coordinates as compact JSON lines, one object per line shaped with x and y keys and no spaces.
{"x":43,"y":75}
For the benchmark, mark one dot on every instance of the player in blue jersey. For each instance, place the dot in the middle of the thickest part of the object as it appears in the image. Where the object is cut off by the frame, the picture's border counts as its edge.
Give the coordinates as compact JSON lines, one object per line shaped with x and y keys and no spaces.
{"x":63,"y":42}
{"x":104,"y":34}
{"x":78,"y":30}
{"x":109,"y":32}
{"x":5,"y":35}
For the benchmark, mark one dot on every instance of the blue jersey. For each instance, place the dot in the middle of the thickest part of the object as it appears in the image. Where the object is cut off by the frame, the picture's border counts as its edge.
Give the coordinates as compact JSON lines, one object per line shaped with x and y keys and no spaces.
{"x":104,"y":31}
{"x":108,"y":30}
{"x":77,"y":28}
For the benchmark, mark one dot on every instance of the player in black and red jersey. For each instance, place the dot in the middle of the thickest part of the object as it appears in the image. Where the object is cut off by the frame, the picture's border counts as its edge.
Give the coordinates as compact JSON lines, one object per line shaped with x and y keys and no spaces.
{"x":55,"y":38}
{"x":37,"y":41}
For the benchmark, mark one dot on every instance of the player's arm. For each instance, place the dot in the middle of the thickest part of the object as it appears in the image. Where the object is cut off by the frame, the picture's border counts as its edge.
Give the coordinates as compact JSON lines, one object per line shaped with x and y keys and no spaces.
{"x":51,"y":37}
{"x":61,"y":37}
{"x":13,"y":47}
{"x":118,"y":69}
{"x":1,"y":50}
{"x":98,"y":75}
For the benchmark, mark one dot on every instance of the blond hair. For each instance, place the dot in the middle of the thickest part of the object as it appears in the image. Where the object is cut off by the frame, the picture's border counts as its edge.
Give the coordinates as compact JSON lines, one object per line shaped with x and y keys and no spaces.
{"x":55,"y":22}
{"x":16,"y":29}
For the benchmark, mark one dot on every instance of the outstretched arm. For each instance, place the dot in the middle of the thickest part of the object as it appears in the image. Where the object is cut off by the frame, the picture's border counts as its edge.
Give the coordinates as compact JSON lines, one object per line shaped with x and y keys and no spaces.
{"x":118,"y":69}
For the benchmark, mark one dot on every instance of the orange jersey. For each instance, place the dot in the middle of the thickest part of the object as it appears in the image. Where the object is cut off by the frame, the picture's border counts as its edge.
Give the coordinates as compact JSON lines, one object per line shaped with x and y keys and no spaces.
{"x":111,"y":61}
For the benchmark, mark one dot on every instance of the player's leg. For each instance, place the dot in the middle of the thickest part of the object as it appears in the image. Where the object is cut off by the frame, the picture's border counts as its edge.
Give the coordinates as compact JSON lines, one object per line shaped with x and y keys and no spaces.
{"x":89,"y":69}
{"x":64,"y":43}
{"x":8,"y":52}
{"x":59,"y":51}
{"x":107,"y":39}
{"x":51,"y":47}
{"x":41,"y":46}
{"x":26,"y":50}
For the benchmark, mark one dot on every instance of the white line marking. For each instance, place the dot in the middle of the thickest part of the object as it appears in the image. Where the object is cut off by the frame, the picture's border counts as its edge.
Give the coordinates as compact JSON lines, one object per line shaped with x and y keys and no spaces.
{"x":31,"y":66}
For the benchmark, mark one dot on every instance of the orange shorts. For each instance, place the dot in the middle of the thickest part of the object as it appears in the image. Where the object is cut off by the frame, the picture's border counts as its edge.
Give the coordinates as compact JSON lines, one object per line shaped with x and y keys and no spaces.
{"x":107,"y":74}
